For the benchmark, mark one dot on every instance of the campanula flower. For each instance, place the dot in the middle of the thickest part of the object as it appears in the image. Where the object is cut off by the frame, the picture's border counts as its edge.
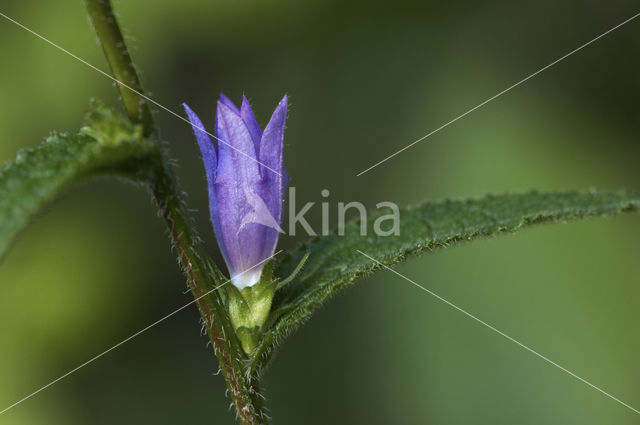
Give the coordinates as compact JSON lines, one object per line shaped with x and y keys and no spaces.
{"x":246,"y":181}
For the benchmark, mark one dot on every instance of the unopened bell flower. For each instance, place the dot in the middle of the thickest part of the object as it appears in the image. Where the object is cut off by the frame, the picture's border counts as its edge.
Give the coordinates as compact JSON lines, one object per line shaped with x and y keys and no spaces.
{"x":246,"y":181}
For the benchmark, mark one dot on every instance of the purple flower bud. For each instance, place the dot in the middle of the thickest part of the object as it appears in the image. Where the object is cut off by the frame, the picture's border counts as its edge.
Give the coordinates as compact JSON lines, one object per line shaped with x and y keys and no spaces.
{"x":246,"y":180}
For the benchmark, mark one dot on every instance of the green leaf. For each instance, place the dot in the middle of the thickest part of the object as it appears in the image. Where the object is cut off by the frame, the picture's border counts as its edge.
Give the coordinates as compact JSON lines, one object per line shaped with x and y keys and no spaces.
{"x":107,"y":143}
{"x":335,"y":262}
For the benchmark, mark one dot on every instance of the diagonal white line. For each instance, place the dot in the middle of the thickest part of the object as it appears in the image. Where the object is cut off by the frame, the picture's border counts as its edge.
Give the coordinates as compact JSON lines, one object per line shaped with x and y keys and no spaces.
{"x":95,"y":68}
{"x":499,"y":94}
{"x":449,"y":303}
{"x":131,"y":337}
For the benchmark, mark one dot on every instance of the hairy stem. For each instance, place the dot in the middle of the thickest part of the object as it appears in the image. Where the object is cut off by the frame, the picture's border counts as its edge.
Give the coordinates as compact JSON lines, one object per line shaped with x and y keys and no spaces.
{"x":202,"y":275}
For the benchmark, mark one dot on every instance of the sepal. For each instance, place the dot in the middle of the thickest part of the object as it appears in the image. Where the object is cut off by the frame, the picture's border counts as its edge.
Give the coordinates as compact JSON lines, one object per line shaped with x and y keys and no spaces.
{"x":294,"y":273}
{"x":250,"y":307}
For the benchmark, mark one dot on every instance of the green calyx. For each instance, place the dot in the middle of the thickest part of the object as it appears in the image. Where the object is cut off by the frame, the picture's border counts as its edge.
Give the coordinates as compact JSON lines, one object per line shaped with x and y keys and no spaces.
{"x":250,"y":307}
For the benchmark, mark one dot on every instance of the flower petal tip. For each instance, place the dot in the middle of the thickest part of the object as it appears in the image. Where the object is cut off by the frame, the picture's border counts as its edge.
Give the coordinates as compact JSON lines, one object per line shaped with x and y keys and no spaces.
{"x":226,"y":101}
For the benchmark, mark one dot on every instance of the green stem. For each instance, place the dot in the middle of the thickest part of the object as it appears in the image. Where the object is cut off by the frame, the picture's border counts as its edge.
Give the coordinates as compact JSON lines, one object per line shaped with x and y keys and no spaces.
{"x":122,"y":68}
{"x":202,"y":275}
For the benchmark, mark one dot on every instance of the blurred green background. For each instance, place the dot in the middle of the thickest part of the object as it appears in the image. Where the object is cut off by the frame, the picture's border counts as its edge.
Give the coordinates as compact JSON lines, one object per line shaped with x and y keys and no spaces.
{"x":365,"y":79}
